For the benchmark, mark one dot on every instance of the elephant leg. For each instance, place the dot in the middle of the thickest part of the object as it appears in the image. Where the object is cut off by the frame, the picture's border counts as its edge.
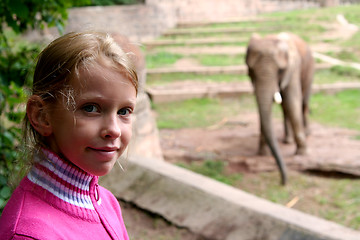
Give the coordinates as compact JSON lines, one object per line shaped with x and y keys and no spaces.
{"x":292,"y":105}
{"x":307,"y":77}
{"x":306,"y":109}
{"x":263,"y":148}
{"x":305,"y":113}
{"x":287,"y":127}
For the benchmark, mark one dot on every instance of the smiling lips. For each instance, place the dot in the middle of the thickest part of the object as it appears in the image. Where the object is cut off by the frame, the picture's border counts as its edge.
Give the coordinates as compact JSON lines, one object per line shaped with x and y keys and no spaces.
{"x":106,"y":153}
{"x":105,"y":149}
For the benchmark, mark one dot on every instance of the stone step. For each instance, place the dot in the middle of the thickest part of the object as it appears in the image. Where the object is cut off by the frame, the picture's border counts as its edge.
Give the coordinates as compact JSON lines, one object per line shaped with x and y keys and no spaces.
{"x":240,"y":69}
{"x":195,"y":41}
{"x":186,"y":50}
{"x":194,"y":31}
{"x":254,"y":19}
{"x":207,"y":50}
{"x":199,"y":44}
{"x":162,"y":94}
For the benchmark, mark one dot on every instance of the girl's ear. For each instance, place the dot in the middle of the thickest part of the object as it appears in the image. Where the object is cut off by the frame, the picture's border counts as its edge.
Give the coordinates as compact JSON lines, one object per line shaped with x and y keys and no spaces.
{"x":38,"y":115}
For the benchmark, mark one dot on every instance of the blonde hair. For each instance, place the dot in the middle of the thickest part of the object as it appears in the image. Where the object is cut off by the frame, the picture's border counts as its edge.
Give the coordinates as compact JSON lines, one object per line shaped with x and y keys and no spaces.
{"x":61,"y":61}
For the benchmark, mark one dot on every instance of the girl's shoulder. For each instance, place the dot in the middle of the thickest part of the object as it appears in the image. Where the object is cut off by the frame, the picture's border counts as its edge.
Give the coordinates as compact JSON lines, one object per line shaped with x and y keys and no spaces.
{"x":25,"y":215}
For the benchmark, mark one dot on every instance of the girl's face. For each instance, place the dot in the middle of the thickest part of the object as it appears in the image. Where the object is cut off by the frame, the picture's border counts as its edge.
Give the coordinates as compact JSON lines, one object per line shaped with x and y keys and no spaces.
{"x":96,"y":133}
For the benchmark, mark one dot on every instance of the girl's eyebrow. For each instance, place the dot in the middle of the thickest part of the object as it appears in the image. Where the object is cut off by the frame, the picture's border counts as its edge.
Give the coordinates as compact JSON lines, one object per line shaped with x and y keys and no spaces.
{"x":101,"y":98}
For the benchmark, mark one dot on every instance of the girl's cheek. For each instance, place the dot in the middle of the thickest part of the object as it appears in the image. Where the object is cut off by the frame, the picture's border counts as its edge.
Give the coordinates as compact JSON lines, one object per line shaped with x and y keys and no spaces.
{"x":128,"y":133}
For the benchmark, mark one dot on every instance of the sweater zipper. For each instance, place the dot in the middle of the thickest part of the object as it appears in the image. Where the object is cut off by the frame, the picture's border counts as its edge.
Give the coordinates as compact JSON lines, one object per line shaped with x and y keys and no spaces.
{"x":97,"y":195}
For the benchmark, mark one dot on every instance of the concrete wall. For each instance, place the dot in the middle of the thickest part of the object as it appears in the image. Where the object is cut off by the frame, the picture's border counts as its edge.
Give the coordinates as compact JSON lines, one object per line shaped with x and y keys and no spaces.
{"x":211,"y":209}
{"x":148,"y":21}
{"x":214,"y":10}
{"x":138,"y":22}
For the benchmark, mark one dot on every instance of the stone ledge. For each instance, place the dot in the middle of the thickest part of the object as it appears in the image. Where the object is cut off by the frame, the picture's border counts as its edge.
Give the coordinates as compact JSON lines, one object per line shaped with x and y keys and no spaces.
{"x":234,"y":90}
{"x":212,"y":209}
{"x":238,"y":69}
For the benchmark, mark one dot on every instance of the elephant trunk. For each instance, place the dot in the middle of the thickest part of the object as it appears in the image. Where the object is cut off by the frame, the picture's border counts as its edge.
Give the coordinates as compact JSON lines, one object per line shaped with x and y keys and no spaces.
{"x":264,"y":99}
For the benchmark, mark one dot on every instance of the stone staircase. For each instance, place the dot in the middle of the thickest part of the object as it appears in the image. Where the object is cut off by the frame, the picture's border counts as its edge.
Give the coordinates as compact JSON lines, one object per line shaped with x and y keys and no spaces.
{"x":198,"y":38}
{"x":204,"y":206}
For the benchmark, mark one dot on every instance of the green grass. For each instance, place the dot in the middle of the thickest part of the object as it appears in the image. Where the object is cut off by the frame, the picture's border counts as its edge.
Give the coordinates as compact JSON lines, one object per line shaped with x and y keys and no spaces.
{"x":339,"y":110}
{"x":214,"y":170}
{"x":196,"y":35}
{"x":334,"y":199}
{"x":162,"y":79}
{"x":325,"y":76}
{"x":220,"y":59}
{"x":337,"y":74}
{"x":198,"y":112}
{"x":337,"y":200}
{"x":161,"y":59}
{"x":305,"y":31}
{"x":351,"y":13}
{"x":347,"y":55}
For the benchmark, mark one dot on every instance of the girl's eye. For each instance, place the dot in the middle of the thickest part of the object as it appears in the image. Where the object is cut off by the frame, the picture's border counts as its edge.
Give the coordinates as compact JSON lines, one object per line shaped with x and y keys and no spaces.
{"x":90,"y":108}
{"x":125,"y":111}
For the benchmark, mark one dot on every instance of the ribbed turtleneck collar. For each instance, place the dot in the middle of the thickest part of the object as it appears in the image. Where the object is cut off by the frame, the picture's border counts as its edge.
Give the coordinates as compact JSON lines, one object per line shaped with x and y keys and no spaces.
{"x":63,"y":180}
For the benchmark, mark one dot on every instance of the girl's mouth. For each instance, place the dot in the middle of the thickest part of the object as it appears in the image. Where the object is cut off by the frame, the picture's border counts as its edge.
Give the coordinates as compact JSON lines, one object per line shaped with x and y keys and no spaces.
{"x":104,"y":149}
{"x":105,"y":153}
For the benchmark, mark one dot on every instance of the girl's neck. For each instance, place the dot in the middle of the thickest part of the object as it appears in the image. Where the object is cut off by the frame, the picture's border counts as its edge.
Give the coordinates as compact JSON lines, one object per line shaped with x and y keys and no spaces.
{"x":63,"y":179}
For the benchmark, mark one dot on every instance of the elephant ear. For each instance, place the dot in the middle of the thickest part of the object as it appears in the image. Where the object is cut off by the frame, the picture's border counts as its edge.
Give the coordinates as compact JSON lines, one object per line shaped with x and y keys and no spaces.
{"x":251,"y":54}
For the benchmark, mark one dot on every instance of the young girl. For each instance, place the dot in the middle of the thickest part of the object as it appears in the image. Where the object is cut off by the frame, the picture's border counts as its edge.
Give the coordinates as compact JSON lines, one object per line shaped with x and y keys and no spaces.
{"x":78,"y":121}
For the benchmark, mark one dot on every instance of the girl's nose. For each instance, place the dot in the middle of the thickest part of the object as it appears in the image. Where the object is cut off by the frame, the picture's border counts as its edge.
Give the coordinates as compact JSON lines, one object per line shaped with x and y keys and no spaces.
{"x":112,"y":128}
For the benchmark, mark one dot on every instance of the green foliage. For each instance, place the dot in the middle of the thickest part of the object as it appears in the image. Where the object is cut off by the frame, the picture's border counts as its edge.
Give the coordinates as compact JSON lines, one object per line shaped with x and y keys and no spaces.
{"x":16,"y":64}
{"x":16,"y":61}
{"x":23,"y":14}
{"x":11,"y":97}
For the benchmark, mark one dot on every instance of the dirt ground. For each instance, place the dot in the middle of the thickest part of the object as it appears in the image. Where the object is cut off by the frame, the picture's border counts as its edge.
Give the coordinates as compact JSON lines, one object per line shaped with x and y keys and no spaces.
{"x":235,"y":141}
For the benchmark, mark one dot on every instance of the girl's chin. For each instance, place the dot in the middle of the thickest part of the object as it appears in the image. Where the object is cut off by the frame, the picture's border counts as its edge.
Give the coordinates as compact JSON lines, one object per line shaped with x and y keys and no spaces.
{"x":102,"y":170}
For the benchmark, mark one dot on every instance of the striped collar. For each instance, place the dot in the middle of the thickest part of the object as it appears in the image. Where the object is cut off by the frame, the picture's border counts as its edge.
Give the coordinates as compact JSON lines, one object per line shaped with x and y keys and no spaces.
{"x":63,"y":180}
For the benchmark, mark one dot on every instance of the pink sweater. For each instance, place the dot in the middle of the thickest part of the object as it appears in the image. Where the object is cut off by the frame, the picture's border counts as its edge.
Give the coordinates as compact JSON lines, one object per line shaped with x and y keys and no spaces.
{"x":57,"y":200}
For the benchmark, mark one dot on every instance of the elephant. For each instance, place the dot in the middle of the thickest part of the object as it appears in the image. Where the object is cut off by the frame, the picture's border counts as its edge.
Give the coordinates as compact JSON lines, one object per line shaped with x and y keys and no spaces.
{"x":281,"y":65}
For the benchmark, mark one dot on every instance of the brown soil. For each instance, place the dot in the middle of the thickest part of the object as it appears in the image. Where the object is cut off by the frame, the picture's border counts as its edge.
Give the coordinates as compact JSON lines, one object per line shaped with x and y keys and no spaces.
{"x":235,"y":141}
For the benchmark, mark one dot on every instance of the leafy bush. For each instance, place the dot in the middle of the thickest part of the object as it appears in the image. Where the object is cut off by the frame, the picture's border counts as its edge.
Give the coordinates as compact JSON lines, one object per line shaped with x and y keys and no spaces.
{"x":16,"y":64}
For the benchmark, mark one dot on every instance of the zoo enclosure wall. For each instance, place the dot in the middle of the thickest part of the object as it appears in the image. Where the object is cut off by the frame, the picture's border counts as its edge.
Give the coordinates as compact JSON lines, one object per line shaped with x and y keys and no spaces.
{"x":147,"y":21}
